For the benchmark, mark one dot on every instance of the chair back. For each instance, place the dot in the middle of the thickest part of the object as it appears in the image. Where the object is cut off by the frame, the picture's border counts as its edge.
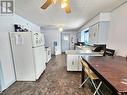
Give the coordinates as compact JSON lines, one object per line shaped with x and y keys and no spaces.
{"x":109,"y":52}
{"x":88,"y":71}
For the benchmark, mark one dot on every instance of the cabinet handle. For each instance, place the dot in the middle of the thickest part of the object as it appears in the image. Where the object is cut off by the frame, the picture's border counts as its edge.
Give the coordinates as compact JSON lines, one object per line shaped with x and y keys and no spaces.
{"x":72,"y":62}
{"x":94,"y":34}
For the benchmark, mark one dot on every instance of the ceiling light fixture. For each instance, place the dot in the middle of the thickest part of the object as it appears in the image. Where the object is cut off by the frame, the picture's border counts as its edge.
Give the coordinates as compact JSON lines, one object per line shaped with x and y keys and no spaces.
{"x":54,"y":1}
{"x":63,"y":4}
{"x":60,"y":29}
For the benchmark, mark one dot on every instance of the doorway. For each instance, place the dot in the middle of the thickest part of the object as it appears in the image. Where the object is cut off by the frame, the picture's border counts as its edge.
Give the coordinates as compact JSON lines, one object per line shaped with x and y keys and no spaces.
{"x":65,"y":42}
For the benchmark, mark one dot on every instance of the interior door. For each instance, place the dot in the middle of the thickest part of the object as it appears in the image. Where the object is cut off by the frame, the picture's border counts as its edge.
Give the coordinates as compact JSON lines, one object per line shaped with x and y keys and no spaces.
{"x":73,"y":40}
{"x":65,"y":42}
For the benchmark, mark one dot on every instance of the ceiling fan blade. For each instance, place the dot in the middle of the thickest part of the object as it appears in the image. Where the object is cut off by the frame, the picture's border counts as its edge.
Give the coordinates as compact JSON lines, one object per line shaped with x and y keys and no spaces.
{"x":67,"y":9}
{"x":46,"y":4}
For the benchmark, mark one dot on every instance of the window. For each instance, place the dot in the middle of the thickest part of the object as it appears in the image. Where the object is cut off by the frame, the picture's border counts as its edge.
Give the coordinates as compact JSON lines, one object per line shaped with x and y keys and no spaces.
{"x":86,"y":37}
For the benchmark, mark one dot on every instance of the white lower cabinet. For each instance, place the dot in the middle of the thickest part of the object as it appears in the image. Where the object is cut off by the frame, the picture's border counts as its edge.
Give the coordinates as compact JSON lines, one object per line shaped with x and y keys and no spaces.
{"x":73,"y":63}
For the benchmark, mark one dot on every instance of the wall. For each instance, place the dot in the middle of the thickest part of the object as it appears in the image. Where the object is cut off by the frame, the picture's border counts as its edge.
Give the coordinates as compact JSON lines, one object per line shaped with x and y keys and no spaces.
{"x":52,"y":35}
{"x":5,"y":51}
{"x":6,"y":60}
{"x":27,"y":24}
{"x":6,"y":25}
{"x":117,"y":37}
{"x":7,"y":22}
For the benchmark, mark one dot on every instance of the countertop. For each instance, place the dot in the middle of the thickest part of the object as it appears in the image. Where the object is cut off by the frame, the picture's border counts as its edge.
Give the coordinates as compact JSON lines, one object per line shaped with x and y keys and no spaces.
{"x":83,"y":52}
{"x":85,"y":47}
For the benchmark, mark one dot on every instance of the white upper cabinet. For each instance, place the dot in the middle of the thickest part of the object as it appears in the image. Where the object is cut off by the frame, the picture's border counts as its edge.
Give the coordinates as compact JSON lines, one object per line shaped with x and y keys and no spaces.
{"x":98,"y":28}
{"x":98,"y":33}
{"x":93,"y":34}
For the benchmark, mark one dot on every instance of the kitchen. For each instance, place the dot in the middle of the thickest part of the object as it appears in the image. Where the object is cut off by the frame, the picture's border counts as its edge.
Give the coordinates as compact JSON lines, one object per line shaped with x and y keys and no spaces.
{"x":66,"y":42}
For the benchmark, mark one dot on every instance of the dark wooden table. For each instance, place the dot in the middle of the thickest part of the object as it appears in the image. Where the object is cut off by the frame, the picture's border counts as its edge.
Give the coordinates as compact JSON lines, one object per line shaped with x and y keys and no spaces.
{"x":111,"y":70}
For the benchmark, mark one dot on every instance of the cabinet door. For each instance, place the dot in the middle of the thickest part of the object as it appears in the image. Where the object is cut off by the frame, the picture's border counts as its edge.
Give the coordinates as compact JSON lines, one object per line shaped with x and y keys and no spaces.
{"x":93,"y":35}
{"x":103,"y":34}
{"x":95,"y":32}
{"x":72,"y":63}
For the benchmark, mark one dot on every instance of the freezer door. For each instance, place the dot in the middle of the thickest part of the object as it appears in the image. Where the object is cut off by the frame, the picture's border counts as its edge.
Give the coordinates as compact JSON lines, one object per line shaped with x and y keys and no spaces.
{"x":23,"y":56}
{"x":39,"y":60}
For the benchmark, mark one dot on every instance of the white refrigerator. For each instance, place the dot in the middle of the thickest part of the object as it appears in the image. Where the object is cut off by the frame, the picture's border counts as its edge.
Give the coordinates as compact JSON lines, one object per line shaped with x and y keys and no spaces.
{"x":29,"y":55}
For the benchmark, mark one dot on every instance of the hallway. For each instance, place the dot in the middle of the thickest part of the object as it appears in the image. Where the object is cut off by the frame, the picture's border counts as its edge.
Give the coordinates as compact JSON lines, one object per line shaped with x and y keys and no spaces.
{"x":55,"y":81}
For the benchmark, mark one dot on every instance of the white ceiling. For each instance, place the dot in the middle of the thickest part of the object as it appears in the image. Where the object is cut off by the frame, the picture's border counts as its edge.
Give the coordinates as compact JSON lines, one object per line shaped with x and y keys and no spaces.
{"x":54,"y":16}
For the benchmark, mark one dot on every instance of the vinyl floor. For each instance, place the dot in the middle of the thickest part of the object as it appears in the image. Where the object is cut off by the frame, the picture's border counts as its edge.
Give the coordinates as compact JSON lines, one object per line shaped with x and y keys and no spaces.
{"x":54,"y":81}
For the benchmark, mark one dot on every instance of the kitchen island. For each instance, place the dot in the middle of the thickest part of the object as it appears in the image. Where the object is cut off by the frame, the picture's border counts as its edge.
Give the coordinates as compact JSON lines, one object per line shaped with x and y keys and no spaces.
{"x":73,"y":58}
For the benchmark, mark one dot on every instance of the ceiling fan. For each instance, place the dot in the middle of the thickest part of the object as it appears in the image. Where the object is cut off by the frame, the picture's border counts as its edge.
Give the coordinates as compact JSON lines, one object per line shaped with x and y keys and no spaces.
{"x":64,"y":4}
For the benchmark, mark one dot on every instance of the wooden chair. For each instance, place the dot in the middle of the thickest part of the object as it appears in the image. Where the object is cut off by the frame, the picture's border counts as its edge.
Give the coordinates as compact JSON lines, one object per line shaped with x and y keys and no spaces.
{"x":92,"y":76}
